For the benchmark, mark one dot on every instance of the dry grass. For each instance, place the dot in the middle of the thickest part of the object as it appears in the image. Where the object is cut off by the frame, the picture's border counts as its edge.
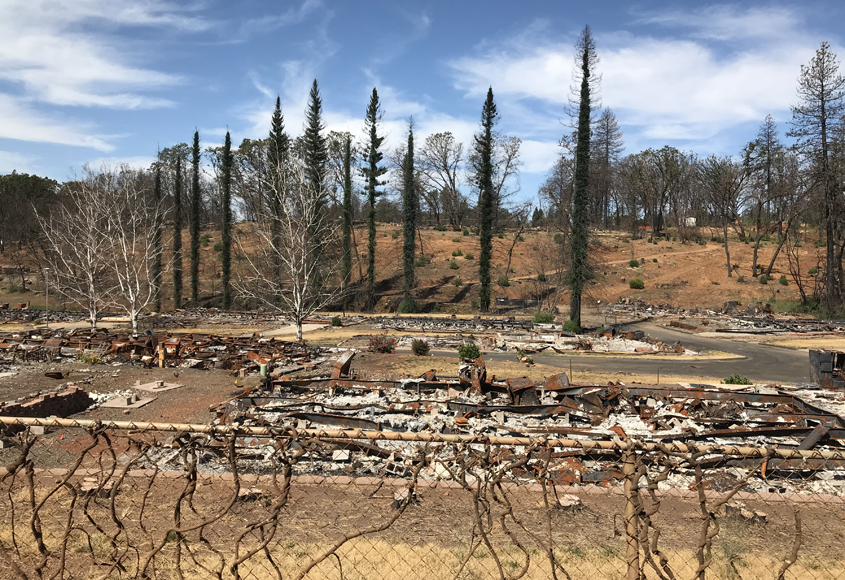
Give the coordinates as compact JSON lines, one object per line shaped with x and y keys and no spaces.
{"x":811,"y":343}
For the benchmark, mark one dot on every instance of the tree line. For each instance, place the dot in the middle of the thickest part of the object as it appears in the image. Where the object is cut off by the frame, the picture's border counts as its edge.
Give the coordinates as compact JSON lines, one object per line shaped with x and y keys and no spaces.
{"x":286,"y":205}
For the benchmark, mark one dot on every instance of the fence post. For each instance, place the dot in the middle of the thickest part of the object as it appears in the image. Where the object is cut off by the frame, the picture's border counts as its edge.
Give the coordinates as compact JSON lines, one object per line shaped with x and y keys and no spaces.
{"x":629,"y":469}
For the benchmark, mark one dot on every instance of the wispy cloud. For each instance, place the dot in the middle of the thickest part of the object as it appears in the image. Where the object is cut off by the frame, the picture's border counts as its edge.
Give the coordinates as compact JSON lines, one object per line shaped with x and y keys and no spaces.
{"x":272,"y":22}
{"x":23,"y":123}
{"x":11,"y":161}
{"x":686,"y":85}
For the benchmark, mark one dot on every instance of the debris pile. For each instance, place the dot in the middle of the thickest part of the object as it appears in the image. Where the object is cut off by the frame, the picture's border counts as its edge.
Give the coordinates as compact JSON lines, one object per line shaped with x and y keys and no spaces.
{"x":475,"y":404}
{"x":633,"y":342}
{"x":245,"y":354}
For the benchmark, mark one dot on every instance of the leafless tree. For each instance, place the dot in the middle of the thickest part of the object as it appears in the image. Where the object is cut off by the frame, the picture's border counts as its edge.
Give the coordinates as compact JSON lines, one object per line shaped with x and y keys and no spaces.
{"x":77,"y":252}
{"x":305,"y":283}
{"x":724,"y":180}
{"x":129,"y":215}
{"x":439,"y":161}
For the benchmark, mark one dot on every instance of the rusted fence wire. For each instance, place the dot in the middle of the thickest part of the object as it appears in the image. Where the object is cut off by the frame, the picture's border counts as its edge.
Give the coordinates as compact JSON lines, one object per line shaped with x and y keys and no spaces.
{"x":85,"y":499}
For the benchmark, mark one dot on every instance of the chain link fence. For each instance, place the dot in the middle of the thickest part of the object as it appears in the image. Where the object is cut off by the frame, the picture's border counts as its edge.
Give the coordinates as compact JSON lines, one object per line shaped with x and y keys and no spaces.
{"x":84,"y":499}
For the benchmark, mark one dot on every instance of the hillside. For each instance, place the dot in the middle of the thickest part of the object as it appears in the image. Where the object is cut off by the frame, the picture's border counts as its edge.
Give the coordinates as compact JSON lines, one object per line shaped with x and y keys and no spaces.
{"x":690,"y":275}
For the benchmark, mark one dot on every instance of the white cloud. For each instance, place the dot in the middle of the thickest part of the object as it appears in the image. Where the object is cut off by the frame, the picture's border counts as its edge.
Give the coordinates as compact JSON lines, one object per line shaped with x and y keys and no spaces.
{"x":23,"y":123}
{"x":134,"y":162}
{"x":690,"y":86}
{"x":270,"y":22}
{"x":11,"y":161}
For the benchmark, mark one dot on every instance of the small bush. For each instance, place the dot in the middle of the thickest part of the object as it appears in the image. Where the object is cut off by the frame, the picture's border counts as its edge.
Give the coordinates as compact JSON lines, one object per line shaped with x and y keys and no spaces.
{"x":457,"y":252}
{"x":440,"y":228}
{"x":218,"y":247}
{"x":89,"y":358}
{"x":420,"y":347}
{"x":382,"y":343}
{"x":457,"y":282}
{"x":474,"y":304}
{"x":820,"y":243}
{"x":469,"y":256}
{"x":336,"y":321}
{"x":469,"y":350}
{"x":654,"y":260}
{"x":503,"y":281}
{"x":813,"y":271}
{"x":634,"y":263}
{"x":674,"y":239}
{"x":408,"y":306}
{"x":395,"y":234}
{"x":466,"y":231}
{"x":541,"y":277}
{"x":600,"y":330}
{"x":741,"y":279}
{"x":558,"y":238}
{"x":570,"y":326}
{"x":735,"y":379}
{"x":453,"y":265}
{"x":205,"y":239}
{"x":456,"y":240}
{"x":764,"y":279}
{"x":543,"y":317}
{"x":422,"y":261}
{"x":500,"y":236}
{"x":783,"y":281}
{"x":521,"y":238}
{"x":636,"y":284}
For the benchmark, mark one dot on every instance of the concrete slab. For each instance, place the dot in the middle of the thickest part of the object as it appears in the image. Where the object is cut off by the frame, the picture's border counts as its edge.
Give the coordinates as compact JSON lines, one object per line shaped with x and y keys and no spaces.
{"x":156,"y":386}
{"x":132,"y":402}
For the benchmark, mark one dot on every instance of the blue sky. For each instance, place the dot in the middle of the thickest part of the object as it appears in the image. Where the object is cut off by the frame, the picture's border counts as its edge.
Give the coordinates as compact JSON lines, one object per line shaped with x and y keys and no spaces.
{"x":94,"y":80}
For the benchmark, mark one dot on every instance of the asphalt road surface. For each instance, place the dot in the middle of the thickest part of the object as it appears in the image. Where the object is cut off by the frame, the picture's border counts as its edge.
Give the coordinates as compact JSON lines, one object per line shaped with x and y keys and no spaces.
{"x":760,"y":362}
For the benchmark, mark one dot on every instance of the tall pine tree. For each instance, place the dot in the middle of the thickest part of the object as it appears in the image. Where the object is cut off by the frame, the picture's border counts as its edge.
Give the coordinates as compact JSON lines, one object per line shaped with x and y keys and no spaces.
{"x":157,"y":239}
{"x":196,"y":201}
{"x":372,"y":172}
{"x":579,"y":268}
{"x":226,"y":237}
{"x":177,"y":235}
{"x":484,"y":143}
{"x":346,"y":258}
{"x":315,"y":148}
{"x":277,"y":157}
{"x":409,"y":222}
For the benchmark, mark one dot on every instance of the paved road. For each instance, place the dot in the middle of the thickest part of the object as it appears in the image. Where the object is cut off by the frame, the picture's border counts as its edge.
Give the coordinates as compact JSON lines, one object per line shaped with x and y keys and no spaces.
{"x":760,"y":362}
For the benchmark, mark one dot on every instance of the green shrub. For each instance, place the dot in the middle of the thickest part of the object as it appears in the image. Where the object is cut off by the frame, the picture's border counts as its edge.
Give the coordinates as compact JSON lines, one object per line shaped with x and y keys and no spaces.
{"x":205,"y":239}
{"x":382,"y":343}
{"x":636,"y":284}
{"x":735,"y":379}
{"x":600,"y":330}
{"x":457,"y":252}
{"x":395,"y":234}
{"x":654,"y":260}
{"x":408,"y":306}
{"x":457,"y":282}
{"x":218,"y":247}
{"x":469,"y":350}
{"x":500,"y":236}
{"x":420,"y":347}
{"x":764,"y":279}
{"x":336,"y":321}
{"x":456,"y":240}
{"x":558,"y":238}
{"x":440,"y":228}
{"x":474,"y":304}
{"x":813,"y":271}
{"x":820,"y":244}
{"x":469,"y":256}
{"x":89,"y":358}
{"x":422,"y":261}
{"x":503,"y":281}
{"x":521,"y":238}
{"x":543,"y":317}
{"x":741,"y":279}
{"x":634,"y":263}
{"x":453,"y":265}
{"x":674,"y":239}
{"x":783,"y":281}
{"x":570,"y":326}
{"x":466,"y":231}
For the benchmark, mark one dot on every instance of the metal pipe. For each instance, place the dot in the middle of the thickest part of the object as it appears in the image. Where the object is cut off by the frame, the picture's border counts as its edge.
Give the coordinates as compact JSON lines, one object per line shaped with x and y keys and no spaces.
{"x":745,"y":451}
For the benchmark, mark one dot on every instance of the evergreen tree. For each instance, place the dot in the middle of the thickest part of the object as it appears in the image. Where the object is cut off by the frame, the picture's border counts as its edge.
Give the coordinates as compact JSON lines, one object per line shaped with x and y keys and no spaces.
{"x":409,"y":222}
{"x":196,"y":200}
{"x":815,"y":120}
{"x":346,"y":259}
{"x":315,"y":148}
{"x":277,"y":156}
{"x":177,"y":235}
{"x":372,"y":172}
{"x":226,"y":255}
{"x":157,"y":240}
{"x":484,"y":143}
{"x":579,"y":272}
